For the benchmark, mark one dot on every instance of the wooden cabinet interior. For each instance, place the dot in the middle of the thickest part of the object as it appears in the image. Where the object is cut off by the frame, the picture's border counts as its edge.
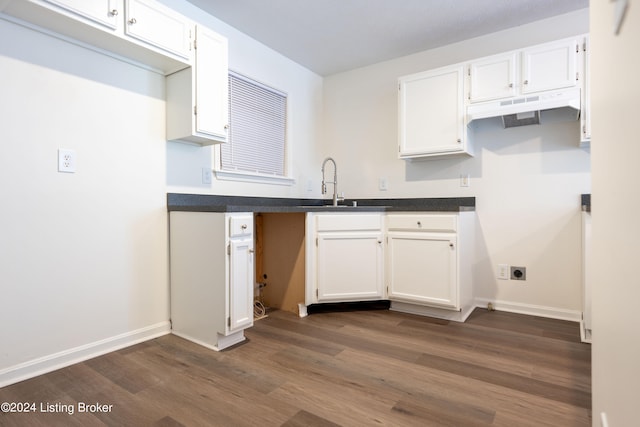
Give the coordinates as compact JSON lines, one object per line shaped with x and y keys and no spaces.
{"x":280,"y":254}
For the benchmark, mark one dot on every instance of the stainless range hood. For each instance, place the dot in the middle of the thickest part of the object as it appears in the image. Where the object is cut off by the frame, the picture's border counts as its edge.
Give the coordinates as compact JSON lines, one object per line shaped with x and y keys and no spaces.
{"x":525,"y":110}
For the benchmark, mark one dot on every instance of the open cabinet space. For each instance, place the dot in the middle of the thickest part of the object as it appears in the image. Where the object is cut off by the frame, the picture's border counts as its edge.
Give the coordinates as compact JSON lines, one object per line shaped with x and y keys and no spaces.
{"x":280,"y":259}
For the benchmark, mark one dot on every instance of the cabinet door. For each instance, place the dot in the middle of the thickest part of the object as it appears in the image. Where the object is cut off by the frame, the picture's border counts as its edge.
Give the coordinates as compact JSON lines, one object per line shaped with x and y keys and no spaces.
{"x":241,"y":279}
{"x":158,"y":26}
{"x":493,"y":78}
{"x":431,"y":113}
{"x":422,"y":269}
{"x":211,"y":74}
{"x":585,"y":109}
{"x":107,"y":13}
{"x":349,"y":266}
{"x":549,"y":66}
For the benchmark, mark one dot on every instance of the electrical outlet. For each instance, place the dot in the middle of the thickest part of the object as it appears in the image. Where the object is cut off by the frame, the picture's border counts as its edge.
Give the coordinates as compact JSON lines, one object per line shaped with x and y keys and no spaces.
{"x":464,"y":180}
{"x":66,"y":160}
{"x":518,"y":273}
{"x":383,"y":183}
{"x":206,"y":175}
{"x":503,"y":272}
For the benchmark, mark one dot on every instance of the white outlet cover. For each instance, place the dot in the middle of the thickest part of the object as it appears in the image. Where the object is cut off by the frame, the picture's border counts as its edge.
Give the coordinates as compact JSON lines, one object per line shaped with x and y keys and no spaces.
{"x":206,"y":175}
{"x":66,"y":160}
{"x":504,"y":272}
{"x":383,"y":183}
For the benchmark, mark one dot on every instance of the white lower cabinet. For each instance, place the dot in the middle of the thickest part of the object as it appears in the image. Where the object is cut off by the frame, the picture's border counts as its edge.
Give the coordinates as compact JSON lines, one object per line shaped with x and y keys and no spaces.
{"x":429,"y":261}
{"x":420,"y":261}
{"x":422,"y":268}
{"x":212,"y":276}
{"x":345,"y":257}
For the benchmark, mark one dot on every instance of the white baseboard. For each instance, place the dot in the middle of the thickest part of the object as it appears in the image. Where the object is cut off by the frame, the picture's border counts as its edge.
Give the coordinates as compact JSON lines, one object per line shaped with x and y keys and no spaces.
{"x":533,"y":310}
{"x":52,"y":362}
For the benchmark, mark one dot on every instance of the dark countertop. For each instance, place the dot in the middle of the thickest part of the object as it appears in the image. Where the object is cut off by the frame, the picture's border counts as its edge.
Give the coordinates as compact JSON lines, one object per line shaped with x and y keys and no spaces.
{"x":214,"y":203}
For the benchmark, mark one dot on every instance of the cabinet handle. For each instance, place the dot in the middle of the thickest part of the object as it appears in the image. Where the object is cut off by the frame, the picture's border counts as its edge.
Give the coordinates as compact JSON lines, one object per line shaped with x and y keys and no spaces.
{"x":114,"y":12}
{"x":526,"y":82}
{"x":510,"y":84}
{"x":459,"y":141}
{"x":251,"y":251}
{"x":451,"y":245}
{"x":132,"y":21}
{"x":243,"y":226}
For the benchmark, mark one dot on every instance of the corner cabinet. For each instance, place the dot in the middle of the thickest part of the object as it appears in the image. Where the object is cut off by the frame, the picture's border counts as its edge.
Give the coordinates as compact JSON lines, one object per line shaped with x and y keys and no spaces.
{"x":431,"y":116}
{"x":212,"y":276}
{"x":344,"y":257}
{"x":197,"y":97}
{"x":429,"y":261}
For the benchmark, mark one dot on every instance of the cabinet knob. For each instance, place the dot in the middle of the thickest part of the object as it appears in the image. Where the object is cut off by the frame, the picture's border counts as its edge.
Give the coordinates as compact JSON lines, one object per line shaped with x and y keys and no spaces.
{"x":459,"y":140}
{"x":114,"y":12}
{"x":526,"y":82}
{"x":510,"y":84}
{"x":451,"y":245}
{"x":251,"y":251}
{"x":419,"y":224}
{"x":132,"y":21}
{"x":243,"y":226}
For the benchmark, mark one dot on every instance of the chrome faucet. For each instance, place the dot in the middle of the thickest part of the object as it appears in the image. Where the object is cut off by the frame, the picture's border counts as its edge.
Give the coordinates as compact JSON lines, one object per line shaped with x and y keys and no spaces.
{"x":335,"y":180}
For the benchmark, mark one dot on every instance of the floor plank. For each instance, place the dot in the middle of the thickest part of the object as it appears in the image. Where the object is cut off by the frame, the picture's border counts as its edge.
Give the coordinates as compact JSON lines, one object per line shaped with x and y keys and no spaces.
{"x":341,"y":368}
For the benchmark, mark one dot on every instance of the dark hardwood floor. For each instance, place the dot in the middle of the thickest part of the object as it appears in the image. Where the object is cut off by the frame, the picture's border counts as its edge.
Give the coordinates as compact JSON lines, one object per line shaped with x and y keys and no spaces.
{"x":353,"y":368}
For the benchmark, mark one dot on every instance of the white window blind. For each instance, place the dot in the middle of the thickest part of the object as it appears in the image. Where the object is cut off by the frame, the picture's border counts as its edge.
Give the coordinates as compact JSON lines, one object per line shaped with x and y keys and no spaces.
{"x":257,"y":128}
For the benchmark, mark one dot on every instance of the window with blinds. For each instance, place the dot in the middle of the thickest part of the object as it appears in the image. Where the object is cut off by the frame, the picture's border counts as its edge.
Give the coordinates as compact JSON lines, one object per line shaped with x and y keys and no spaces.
{"x":256,"y":141}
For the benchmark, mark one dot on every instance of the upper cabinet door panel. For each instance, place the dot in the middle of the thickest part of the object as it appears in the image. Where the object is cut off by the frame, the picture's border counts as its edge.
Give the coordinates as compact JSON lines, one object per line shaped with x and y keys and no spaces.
{"x":158,"y":26}
{"x":211,"y":74}
{"x":493,"y":78}
{"x":549,"y":66}
{"x":107,"y":13}
{"x":431,"y":112}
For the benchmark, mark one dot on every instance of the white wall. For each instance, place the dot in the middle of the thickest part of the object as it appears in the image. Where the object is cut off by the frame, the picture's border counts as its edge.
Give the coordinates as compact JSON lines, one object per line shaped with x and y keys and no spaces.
{"x":616,"y":231}
{"x":304,"y":89}
{"x":83,"y":257}
{"x":527,"y":181}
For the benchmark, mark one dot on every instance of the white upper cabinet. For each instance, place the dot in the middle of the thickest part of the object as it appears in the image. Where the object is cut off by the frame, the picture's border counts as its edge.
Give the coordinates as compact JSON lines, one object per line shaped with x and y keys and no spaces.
{"x":550,"y":66}
{"x":540,"y":68}
{"x":158,"y":26}
{"x":103,"y":12}
{"x":431,"y":113}
{"x":142,"y":31}
{"x":197,"y":97}
{"x":493,"y":78}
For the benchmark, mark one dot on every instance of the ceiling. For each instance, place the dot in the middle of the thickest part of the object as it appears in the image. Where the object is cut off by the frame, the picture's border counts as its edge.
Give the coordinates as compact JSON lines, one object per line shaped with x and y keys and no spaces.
{"x":330,"y":36}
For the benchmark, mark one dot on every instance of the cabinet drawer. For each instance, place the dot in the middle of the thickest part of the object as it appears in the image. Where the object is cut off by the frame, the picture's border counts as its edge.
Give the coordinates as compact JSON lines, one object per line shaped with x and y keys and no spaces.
{"x":348,"y":222}
{"x":423,"y":222}
{"x":240,"y":225}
